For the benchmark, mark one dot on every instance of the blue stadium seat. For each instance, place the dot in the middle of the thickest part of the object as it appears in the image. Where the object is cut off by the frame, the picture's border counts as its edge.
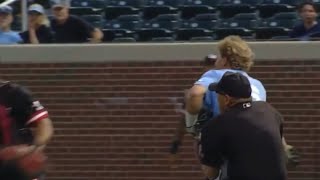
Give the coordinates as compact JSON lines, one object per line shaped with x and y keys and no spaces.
{"x":289,"y":2}
{"x":113,"y":12}
{"x":111,"y":34}
{"x":191,"y":8}
{"x":80,"y":11}
{"x":190,"y":11}
{"x":149,"y":34}
{"x":95,"y":20}
{"x":268,"y":8}
{"x":202,"y":39}
{"x":280,"y":38}
{"x":124,"y":40}
{"x":204,"y":21}
{"x":242,"y":20}
{"x":117,"y":8}
{"x":212,"y":3}
{"x":164,"y":21}
{"x":98,"y":4}
{"x":163,"y":39}
{"x":154,"y":8}
{"x":172,"y":3}
{"x":221,"y":33}
{"x":230,"y":8}
{"x":186,"y":34}
{"x":277,"y":25}
{"x":132,"y":3}
{"x":315,"y":35}
{"x":129,"y":22}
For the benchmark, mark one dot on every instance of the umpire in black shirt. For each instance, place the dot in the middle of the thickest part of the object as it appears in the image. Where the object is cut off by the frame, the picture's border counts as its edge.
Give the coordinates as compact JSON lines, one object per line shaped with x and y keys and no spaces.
{"x":247,"y":134}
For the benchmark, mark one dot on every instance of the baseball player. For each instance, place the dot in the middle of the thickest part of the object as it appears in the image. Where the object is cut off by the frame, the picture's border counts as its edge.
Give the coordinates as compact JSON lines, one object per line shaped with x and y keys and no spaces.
{"x":202,"y":105}
{"x":22,"y":120}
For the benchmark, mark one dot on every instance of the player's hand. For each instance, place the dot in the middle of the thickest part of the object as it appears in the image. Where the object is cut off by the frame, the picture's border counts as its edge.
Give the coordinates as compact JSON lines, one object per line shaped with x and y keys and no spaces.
{"x":292,"y":156}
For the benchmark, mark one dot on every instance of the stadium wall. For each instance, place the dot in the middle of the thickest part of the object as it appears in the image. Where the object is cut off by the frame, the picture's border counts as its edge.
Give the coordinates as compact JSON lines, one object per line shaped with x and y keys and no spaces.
{"x":113,"y":105}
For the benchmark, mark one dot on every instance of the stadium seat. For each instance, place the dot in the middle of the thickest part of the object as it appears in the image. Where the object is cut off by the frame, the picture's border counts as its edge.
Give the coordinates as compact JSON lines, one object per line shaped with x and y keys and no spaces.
{"x":317,"y":3}
{"x":202,"y":39}
{"x":242,"y":24}
{"x":111,"y":34}
{"x":149,"y":34}
{"x":221,"y":33}
{"x":186,"y":34}
{"x":95,"y":20}
{"x":191,"y":8}
{"x":281,"y":38}
{"x":230,"y":8}
{"x":242,"y":20}
{"x":124,"y":39}
{"x":80,"y":11}
{"x":204,"y":21}
{"x":212,"y":3}
{"x":113,"y":12}
{"x":315,"y":35}
{"x":117,"y":8}
{"x":129,"y":22}
{"x":278,"y":25}
{"x":268,"y":8}
{"x":97,"y":4}
{"x":188,"y":12}
{"x":172,"y":3}
{"x":154,"y":8}
{"x":165,"y":21}
{"x":163,"y":39}
{"x":121,"y":3}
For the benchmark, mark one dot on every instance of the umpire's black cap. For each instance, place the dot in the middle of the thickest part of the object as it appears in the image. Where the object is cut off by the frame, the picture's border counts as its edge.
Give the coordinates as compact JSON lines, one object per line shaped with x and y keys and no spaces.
{"x":232,"y":84}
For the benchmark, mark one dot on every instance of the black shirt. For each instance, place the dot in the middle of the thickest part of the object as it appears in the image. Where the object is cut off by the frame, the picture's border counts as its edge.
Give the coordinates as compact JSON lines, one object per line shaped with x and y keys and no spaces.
{"x":19,"y":111}
{"x":74,"y":30}
{"x":250,"y":139}
{"x":44,"y":35}
{"x":301,"y":32}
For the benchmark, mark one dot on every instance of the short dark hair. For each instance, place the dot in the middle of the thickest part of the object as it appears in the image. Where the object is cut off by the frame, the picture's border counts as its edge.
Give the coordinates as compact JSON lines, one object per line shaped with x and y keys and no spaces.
{"x":307,"y":2}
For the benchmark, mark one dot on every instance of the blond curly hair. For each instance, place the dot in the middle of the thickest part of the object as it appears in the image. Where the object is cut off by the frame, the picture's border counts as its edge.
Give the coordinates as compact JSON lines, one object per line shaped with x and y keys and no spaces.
{"x":237,"y":52}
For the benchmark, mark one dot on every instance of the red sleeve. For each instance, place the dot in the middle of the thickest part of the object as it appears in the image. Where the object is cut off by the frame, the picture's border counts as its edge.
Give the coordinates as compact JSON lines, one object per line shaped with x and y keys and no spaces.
{"x":39,"y":113}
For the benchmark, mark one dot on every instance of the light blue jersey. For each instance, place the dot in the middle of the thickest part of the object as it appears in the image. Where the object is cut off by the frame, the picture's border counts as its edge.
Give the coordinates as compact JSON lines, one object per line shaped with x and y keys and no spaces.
{"x":214,"y":76}
{"x":10,"y":37}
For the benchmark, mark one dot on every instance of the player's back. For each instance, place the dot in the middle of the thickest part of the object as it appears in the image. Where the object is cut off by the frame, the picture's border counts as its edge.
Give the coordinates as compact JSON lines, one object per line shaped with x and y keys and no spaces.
{"x":214,"y":76}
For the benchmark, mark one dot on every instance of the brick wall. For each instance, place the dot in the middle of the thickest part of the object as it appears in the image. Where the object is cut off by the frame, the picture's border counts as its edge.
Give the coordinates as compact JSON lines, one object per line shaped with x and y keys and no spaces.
{"x":114,"y":121}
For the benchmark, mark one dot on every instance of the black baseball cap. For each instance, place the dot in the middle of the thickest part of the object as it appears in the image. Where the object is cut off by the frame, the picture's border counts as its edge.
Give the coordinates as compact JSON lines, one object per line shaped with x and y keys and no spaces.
{"x":233,"y":84}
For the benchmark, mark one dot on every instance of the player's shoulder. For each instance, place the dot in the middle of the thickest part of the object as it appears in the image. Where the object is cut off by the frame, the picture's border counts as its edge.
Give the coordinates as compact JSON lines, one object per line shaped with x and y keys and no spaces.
{"x":217,"y":73}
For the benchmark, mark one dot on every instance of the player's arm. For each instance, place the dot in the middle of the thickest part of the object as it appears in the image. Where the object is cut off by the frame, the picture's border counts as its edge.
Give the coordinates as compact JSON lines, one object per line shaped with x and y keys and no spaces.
{"x":32,"y":114}
{"x":178,"y":136}
{"x":195,"y":98}
{"x":43,"y":128}
{"x":43,"y":132}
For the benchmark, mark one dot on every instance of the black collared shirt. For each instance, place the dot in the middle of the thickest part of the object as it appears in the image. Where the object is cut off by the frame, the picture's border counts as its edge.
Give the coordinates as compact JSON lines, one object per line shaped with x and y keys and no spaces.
{"x":249,"y":137}
{"x":74,"y":30}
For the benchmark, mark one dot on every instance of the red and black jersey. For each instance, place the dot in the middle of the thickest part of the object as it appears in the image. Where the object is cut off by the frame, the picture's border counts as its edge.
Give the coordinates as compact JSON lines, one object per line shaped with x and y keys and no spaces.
{"x":18,"y":112}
